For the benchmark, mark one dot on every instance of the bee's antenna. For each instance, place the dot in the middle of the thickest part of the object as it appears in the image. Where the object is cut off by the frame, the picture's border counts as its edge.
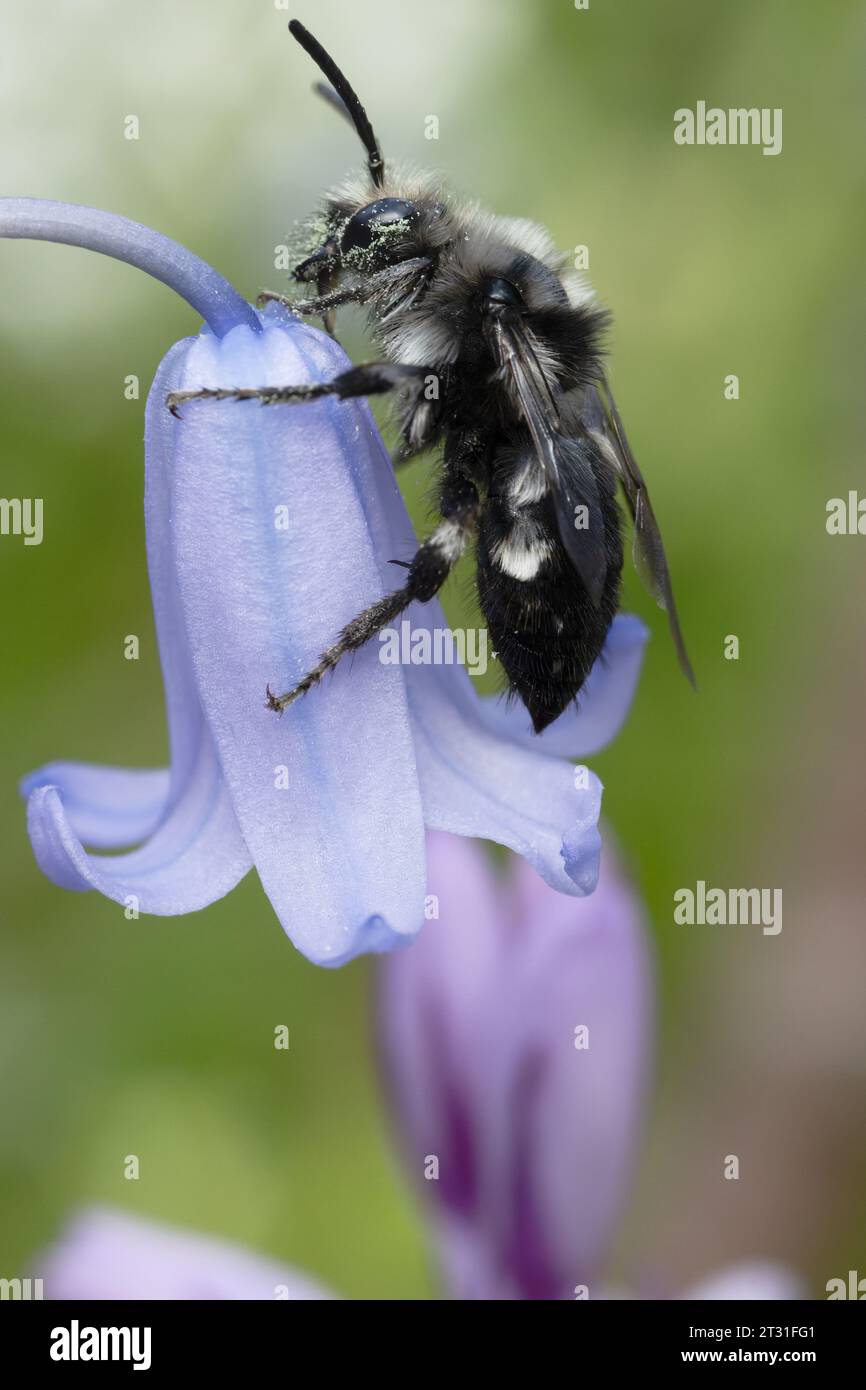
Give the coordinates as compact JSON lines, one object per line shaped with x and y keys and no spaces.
{"x":356,"y":112}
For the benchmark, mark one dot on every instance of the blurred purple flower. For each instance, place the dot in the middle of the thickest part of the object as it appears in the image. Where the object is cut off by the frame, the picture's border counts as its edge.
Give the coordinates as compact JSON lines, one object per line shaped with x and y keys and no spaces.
{"x":267,"y":529}
{"x":516,"y":1039}
{"x":105,"y":1254}
{"x":752,"y":1280}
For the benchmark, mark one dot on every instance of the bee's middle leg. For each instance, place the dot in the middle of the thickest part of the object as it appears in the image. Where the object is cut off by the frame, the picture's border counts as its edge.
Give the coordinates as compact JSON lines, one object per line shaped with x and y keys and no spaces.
{"x":330,"y":297}
{"x":323,"y":303}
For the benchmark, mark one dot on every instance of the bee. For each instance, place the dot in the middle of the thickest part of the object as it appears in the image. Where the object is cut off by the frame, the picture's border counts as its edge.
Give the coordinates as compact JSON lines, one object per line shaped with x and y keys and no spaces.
{"x":493,"y":350}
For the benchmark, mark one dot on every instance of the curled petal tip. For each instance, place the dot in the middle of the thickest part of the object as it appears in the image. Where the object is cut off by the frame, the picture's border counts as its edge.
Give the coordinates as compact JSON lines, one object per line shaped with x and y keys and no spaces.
{"x":581,"y":854}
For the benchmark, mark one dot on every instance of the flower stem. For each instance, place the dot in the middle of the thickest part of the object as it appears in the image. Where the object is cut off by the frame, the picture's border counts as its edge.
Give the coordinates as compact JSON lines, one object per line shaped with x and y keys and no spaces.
{"x":40,"y":219}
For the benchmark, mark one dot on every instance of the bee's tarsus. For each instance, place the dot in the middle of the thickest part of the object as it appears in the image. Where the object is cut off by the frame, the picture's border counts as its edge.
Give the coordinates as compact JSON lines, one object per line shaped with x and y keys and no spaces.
{"x":272,"y":297}
{"x":277,"y":703}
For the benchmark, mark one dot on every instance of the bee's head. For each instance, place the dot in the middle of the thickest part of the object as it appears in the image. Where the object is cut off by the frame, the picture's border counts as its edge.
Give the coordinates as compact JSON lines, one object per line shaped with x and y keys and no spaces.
{"x":399,"y":222}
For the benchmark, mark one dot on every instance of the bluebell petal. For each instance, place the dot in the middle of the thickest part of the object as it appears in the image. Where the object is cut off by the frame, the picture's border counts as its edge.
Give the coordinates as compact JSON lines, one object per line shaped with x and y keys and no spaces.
{"x":195,"y":856}
{"x":107,"y":807}
{"x":476,"y":782}
{"x":195,"y":853}
{"x":327,"y":796}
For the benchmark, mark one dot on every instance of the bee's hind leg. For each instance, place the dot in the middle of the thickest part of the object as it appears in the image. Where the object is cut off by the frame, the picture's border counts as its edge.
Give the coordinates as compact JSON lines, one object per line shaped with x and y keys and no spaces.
{"x":431,"y":566}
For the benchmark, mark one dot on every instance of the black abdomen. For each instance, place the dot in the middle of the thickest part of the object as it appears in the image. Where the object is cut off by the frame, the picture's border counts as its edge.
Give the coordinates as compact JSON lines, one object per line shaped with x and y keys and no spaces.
{"x":544,"y":628}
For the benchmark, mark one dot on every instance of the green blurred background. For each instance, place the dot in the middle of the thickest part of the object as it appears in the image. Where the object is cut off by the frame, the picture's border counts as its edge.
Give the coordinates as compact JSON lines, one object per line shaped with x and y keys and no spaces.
{"x":156,"y":1037}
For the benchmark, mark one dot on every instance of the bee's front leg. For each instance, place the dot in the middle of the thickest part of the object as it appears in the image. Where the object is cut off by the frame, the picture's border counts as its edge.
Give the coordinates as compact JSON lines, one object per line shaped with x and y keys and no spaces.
{"x":323,"y":266}
{"x":367,"y":379}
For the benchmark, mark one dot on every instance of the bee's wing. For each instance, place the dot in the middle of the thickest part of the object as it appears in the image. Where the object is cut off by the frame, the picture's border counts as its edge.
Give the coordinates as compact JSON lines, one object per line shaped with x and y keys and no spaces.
{"x":602,"y":419}
{"x":565,"y":462}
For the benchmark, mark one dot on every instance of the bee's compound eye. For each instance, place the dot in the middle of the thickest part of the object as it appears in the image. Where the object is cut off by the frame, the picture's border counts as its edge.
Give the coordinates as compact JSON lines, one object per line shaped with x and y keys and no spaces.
{"x":363,"y":226}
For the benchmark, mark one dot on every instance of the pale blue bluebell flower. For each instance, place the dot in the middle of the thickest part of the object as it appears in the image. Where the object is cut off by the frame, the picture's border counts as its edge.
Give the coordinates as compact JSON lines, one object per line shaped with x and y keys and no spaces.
{"x":267,"y":530}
